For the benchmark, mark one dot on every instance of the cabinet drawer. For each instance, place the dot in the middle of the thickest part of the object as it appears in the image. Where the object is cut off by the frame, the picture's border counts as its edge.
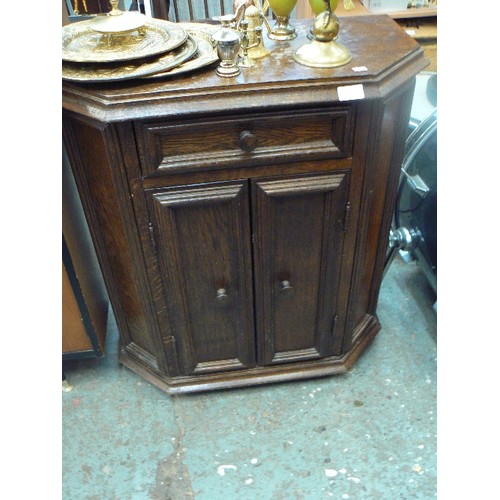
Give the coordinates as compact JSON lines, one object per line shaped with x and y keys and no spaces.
{"x":259,"y":138}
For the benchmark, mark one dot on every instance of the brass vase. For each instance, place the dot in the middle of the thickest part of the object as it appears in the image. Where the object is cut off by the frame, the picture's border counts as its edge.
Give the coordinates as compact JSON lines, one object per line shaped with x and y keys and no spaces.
{"x":323,"y":51}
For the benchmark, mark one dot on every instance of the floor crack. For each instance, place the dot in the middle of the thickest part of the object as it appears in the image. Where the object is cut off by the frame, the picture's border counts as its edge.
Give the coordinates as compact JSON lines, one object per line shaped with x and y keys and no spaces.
{"x":172,"y":476}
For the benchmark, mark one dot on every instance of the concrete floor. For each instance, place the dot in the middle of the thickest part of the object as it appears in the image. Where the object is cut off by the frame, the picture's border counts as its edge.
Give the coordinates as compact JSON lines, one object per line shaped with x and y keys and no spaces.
{"x":369,"y":434}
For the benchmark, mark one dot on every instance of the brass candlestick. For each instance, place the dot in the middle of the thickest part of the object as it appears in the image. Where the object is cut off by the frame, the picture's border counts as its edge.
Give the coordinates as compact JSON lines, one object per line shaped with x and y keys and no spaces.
{"x":245,"y":61}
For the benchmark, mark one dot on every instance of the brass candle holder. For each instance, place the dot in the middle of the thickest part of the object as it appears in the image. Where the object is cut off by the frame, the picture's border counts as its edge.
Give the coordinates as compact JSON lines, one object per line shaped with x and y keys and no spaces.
{"x":245,"y":61}
{"x":323,"y":51}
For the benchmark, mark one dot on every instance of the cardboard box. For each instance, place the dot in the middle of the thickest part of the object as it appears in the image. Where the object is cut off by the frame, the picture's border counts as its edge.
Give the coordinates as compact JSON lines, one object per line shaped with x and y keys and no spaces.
{"x":385,"y":5}
{"x":380,"y":6}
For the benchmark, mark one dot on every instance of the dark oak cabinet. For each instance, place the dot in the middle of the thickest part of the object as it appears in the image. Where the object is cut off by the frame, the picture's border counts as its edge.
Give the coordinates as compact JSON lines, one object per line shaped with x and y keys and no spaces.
{"x":241,"y":225}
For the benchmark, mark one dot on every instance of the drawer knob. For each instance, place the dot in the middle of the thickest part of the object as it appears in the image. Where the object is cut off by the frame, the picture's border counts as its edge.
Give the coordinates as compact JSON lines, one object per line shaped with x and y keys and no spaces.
{"x":248,"y":141}
{"x":285,"y":286}
{"x":221,"y":296}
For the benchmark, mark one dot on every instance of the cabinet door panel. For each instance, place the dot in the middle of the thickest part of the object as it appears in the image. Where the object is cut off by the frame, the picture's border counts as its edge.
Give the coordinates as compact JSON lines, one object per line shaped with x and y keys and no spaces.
{"x":202,"y":239}
{"x":298,"y":227}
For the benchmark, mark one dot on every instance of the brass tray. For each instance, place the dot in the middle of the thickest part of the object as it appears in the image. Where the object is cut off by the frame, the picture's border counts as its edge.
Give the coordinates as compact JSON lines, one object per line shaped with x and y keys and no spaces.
{"x":131,"y":69}
{"x":205,"y":55}
{"x":80,"y":43}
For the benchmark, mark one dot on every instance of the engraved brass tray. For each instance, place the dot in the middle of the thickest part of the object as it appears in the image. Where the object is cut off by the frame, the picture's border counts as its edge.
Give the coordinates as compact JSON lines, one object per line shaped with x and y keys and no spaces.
{"x":205,"y":55}
{"x":80,"y":43}
{"x":131,"y":69}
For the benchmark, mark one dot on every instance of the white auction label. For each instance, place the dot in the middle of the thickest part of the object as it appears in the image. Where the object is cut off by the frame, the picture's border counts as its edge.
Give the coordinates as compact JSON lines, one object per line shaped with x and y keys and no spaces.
{"x":351,"y":92}
{"x":357,"y":69}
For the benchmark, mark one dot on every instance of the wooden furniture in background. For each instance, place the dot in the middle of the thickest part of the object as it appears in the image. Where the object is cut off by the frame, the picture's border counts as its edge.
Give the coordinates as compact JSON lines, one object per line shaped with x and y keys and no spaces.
{"x":304,"y":11}
{"x":242,"y":224}
{"x":190,"y":10}
{"x":83,"y":321}
{"x":84,"y":298}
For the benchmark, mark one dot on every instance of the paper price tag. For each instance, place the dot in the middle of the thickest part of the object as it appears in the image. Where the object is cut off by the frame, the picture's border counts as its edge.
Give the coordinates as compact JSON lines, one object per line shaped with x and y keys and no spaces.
{"x":351,"y":92}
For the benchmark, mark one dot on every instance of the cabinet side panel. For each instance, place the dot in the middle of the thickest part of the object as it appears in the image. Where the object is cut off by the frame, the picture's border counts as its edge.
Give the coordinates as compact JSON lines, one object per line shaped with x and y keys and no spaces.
{"x":89,"y":155}
{"x":403,"y":102}
{"x":388,"y":129}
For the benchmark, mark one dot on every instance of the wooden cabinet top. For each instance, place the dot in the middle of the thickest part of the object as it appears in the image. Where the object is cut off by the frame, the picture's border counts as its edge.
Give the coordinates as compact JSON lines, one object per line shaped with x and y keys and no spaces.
{"x":376,"y":42}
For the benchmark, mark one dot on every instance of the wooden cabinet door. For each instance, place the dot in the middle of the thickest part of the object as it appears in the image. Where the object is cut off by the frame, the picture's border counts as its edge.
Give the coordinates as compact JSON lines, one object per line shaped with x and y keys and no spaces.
{"x":201,"y":235}
{"x":298,"y":224}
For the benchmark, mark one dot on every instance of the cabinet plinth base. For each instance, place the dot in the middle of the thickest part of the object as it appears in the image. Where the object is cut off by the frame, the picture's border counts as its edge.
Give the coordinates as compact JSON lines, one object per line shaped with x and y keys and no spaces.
{"x":365,"y":333}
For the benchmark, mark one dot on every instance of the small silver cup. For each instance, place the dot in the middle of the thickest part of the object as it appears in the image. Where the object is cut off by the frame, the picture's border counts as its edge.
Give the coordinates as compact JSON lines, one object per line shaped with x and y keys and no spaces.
{"x":228,"y":46}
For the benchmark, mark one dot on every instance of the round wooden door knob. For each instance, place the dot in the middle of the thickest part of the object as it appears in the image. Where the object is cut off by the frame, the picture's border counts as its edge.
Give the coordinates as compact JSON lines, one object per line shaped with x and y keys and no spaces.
{"x":248,"y":141}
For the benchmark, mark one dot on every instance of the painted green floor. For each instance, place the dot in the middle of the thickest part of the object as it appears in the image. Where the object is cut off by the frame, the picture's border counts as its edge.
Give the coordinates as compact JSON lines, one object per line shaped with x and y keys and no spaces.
{"x":369,"y":434}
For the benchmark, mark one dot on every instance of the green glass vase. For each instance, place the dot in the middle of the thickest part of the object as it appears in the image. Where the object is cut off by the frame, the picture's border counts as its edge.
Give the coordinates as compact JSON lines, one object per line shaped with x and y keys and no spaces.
{"x":282,"y":8}
{"x":318,"y":6}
